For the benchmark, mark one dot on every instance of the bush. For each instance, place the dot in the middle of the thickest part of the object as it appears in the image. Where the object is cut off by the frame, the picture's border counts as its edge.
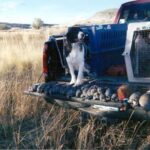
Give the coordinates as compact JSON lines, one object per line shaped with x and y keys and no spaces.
{"x":37,"y":23}
{"x":3,"y":27}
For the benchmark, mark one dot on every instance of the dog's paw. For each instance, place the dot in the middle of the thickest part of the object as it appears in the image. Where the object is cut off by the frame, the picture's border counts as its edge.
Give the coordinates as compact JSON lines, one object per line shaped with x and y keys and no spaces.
{"x":72,"y":82}
{"x":78,"y":83}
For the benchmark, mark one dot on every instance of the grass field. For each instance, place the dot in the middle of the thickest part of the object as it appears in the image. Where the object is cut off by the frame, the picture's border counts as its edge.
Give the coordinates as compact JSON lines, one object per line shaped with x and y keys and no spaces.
{"x":30,"y":123}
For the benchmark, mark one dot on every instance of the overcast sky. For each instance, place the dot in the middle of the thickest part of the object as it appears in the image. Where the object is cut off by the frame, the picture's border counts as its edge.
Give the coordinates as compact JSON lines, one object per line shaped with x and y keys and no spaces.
{"x":53,"y":11}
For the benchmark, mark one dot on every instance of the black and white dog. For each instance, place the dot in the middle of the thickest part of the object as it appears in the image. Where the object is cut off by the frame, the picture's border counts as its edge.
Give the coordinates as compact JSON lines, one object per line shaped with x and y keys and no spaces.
{"x":76,"y":59}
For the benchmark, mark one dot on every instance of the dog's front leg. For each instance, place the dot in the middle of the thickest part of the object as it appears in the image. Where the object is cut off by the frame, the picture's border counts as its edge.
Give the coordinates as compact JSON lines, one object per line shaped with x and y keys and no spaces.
{"x":73,"y":77}
{"x":79,"y":80}
{"x":71,"y":69}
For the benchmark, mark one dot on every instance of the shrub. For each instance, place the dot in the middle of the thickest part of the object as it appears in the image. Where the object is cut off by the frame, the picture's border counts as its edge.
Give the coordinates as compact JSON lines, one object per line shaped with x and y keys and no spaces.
{"x":4,"y":27}
{"x":37,"y":23}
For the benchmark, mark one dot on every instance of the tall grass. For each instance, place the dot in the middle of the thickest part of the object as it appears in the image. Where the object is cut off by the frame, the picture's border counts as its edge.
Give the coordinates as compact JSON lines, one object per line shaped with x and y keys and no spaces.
{"x":19,"y":50}
{"x":31,"y":123}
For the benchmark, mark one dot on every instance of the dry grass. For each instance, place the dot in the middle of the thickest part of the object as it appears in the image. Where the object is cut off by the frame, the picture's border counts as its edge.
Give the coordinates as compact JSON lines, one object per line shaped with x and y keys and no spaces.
{"x":31,"y":123}
{"x":21,"y":48}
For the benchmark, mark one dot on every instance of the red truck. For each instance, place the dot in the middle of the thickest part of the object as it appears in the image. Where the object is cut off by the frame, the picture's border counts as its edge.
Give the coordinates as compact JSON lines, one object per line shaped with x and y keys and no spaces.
{"x":99,"y":95}
{"x":133,"y":11}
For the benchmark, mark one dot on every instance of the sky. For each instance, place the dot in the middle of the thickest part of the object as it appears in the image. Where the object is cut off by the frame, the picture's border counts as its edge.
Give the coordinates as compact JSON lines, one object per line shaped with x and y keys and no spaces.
{"x":53,"y":11}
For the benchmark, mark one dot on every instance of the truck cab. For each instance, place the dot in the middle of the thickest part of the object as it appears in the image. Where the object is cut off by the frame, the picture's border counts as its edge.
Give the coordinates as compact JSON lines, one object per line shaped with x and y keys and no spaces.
{"x":134,"y":11}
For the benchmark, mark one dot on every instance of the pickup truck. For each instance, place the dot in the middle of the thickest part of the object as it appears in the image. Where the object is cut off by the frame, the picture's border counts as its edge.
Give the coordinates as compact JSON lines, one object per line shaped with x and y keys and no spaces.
{"x":119,"y":57}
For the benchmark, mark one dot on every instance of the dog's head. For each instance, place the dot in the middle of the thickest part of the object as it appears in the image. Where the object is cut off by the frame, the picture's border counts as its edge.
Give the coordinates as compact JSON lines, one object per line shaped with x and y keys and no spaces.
{"x":75,"y":35}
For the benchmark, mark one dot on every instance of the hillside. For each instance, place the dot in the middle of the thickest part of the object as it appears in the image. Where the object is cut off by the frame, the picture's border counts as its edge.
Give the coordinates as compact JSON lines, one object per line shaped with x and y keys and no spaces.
{"x":106,"y":16}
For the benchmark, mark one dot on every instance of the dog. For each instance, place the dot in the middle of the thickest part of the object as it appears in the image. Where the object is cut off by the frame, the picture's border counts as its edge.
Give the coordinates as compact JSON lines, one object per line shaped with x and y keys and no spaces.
{"x":76,"y":60}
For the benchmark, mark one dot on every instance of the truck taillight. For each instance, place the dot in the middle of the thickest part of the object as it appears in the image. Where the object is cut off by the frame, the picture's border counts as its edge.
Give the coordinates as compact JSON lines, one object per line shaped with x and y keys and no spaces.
{"x":53,"y":64}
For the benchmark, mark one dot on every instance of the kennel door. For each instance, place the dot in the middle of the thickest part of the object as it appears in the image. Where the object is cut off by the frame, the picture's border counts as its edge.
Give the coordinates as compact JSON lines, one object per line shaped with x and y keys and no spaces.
{"x":137,"y":52}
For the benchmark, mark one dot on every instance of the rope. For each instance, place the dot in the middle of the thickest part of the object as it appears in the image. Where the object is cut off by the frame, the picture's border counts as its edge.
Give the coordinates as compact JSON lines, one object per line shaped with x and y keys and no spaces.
{"x":39,"y":78}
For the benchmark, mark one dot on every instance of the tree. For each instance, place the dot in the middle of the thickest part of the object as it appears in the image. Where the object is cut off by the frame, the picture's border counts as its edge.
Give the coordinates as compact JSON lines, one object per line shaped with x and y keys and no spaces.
{"x":37,"y":23}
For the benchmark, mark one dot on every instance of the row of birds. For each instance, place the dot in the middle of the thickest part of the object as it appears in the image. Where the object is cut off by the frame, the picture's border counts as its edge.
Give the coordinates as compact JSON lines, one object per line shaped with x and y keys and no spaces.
{"x":92,"y":91}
